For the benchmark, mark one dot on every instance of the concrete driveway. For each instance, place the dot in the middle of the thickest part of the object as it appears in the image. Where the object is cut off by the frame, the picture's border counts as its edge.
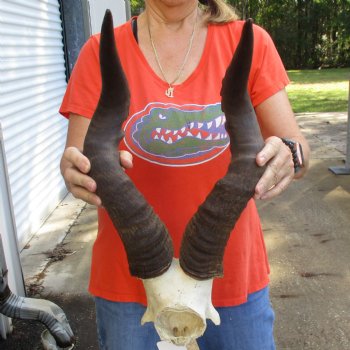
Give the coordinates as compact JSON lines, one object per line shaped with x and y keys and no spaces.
{"x":307,"y":231}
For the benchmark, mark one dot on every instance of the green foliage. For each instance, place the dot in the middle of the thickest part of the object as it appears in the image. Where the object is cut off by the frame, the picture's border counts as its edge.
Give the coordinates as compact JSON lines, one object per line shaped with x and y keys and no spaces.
{"x":307,"y":33}
{"x":136,"y":6}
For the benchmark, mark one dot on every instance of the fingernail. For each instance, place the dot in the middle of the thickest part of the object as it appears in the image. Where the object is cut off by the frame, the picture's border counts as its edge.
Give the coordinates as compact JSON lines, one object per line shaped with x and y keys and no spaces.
{"x":91,"y":186}
{"x":129,"y":163}
{"x":85,"y":168}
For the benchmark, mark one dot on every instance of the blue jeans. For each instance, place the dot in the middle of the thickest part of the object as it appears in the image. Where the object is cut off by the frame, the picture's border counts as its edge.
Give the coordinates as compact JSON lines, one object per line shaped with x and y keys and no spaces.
{"x":244,"y":327}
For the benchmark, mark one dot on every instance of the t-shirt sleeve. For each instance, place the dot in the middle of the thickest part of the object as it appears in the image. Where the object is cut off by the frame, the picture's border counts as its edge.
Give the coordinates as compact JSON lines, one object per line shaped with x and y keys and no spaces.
{"x":84,"y":86}
{"x":268,"y":75}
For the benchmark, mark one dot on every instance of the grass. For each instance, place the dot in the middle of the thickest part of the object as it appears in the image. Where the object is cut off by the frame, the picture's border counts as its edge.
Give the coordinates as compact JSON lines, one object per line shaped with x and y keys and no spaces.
{"x":325,"y":90}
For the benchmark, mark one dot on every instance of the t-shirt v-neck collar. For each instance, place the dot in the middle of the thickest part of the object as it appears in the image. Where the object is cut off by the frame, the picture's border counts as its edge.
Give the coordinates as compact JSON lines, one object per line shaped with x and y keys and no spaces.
{"x":199,"y":69}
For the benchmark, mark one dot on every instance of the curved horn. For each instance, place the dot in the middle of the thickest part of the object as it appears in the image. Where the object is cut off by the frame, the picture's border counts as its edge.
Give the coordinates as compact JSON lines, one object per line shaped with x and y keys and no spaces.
{"x":208,"y":231}
{"x":146,"y":240}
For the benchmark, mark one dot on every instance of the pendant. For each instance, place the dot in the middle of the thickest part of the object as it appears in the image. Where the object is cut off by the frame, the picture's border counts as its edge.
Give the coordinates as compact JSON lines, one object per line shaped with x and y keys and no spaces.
{"x":169,"y":92}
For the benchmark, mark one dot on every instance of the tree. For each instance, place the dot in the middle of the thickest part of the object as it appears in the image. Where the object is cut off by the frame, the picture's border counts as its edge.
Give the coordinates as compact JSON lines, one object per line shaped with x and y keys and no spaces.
{"x":136,"y":6}
{"x":307,"y":33}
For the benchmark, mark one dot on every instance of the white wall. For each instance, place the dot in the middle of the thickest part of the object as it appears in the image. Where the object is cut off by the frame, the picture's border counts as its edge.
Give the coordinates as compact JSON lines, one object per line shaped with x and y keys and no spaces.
{"x":32,"y":79}
{"x":9,"y":255}
{"x":97,"y":10}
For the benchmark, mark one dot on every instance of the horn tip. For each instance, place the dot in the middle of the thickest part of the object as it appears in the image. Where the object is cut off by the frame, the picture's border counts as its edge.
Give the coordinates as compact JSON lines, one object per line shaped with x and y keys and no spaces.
{"x":107,"y":23}
{"x":249,"y":23}
{"x":108,"y":16}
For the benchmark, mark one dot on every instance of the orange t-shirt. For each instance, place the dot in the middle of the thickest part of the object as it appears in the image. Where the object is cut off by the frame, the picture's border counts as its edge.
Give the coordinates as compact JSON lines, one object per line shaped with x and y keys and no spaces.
{"x":180,"y":150}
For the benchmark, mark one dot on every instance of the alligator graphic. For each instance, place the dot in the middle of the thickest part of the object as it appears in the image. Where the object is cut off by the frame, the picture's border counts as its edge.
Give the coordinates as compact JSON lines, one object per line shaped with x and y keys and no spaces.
{"x":170,"y":134}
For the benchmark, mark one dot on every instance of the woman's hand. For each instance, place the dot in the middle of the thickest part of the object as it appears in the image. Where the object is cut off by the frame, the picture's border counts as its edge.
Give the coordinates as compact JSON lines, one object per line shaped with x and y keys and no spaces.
{"x":74,"y":169}
{"x":279,"y":170}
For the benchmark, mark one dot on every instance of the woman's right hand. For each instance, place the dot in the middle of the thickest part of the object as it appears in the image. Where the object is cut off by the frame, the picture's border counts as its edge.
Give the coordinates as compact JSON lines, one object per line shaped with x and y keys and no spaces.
{"x":74,"y":169}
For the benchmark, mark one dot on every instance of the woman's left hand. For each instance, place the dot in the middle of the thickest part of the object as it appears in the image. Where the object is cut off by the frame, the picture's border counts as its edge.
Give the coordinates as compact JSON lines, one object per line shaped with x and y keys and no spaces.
{"x":279,"y":168}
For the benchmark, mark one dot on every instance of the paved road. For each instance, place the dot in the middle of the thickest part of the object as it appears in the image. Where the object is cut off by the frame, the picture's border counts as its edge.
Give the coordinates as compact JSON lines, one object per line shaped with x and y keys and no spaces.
{"x":307,"y":232}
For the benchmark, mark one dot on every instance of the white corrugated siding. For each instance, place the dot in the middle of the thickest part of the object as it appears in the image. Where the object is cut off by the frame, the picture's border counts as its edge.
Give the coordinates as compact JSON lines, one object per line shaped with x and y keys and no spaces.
{"x":9,"y":255}
{"x":32,"y":83}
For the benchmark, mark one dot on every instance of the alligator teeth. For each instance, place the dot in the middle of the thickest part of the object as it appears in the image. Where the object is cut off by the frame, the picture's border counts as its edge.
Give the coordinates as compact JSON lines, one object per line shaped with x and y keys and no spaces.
{"x":185,"y":132}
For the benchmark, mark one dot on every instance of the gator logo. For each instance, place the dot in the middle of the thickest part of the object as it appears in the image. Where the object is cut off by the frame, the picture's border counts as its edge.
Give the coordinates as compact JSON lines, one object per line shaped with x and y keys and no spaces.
{"x":174,"y":135}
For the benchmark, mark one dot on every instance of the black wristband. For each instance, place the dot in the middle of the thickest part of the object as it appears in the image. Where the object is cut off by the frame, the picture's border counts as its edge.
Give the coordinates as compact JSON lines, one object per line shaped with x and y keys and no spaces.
{"x":297,"y":153}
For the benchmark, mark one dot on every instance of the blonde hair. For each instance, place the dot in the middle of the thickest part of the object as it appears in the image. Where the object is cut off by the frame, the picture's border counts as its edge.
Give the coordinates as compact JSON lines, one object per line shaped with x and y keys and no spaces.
{"x":218,"y":11}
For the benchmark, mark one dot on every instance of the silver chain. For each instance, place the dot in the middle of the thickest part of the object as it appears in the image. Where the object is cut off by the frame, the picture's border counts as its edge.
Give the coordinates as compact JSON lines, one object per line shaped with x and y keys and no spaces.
{"x":184,"y":61}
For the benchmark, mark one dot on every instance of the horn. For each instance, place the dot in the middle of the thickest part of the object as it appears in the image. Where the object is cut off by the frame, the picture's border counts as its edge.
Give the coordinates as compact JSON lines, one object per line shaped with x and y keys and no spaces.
{"x":146,"y":240}
{"x":207,"y":233}
{"x":179,"y":301}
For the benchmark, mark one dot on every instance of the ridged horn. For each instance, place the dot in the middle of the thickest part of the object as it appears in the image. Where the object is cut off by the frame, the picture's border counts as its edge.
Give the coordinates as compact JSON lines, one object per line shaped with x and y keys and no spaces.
{"x":146,"y":240}
{"x":207,"y":233}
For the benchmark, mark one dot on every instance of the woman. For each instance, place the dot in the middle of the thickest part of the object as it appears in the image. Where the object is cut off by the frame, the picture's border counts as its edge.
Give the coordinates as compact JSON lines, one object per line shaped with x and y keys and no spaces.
{"x":174,"y":56}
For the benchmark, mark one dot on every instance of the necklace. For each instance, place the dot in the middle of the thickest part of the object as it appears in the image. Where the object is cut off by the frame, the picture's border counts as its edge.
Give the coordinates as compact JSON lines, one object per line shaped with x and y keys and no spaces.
{"x":169,"y":92}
